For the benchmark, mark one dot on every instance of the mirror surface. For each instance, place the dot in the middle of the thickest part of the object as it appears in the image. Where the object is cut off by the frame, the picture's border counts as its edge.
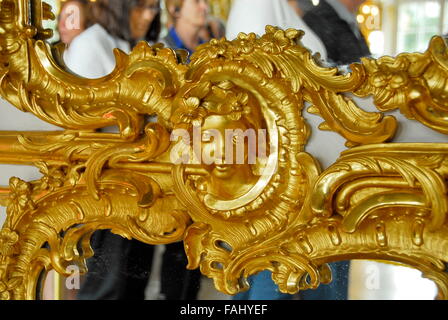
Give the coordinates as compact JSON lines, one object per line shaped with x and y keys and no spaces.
{"x":367,"y":280}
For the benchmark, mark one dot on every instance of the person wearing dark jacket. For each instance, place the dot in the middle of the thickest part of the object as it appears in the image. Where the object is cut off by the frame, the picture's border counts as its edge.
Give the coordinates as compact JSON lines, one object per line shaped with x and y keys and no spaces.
{"x":334,"y":22}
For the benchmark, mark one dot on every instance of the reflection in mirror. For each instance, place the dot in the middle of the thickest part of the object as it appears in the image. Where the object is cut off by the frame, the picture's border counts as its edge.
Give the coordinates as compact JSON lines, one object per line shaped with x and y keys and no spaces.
{"x":90,"y":31}
{"x":72,"y":20}
{"x":368,"y":280}
{"x":389,"y":27}
{"x":52,"y":286}
{"x":371,"y":280}
{"x":365,"y":280}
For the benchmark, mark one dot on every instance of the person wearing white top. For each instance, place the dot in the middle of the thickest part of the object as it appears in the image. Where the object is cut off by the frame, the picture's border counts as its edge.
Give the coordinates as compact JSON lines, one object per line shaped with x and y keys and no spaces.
{"x":254,"y":15}
{"x":120,"y":268}
{"x":96,"y":59}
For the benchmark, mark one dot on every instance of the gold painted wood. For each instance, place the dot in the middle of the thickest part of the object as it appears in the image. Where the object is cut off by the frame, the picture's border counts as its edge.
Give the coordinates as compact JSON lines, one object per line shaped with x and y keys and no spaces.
{"x":379,"y":200}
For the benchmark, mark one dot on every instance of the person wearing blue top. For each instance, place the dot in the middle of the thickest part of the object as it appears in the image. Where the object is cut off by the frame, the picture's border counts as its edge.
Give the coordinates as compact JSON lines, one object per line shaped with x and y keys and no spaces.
{"x":188,"y":18}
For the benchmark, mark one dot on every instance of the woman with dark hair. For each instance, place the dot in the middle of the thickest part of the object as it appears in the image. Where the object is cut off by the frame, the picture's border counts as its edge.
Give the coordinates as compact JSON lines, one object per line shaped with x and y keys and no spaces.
{"x":120,"y":268}
{"x":115,"y":24}
{"x":131,"y":20}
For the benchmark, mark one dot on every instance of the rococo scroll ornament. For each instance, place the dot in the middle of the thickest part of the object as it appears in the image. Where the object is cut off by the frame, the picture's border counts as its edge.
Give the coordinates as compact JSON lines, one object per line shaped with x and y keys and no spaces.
{"x":192,"y":176}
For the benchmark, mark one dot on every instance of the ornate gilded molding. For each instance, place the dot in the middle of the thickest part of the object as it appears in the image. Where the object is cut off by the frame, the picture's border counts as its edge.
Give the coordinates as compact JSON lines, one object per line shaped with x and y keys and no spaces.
{"x":413,"y":83}
{"x":379,"y":200}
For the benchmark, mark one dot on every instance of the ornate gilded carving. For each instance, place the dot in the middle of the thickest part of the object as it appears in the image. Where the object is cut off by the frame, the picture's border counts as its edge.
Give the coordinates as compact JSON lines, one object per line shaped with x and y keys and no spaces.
{"x":379,"y":200}
{"x":413,"y":83}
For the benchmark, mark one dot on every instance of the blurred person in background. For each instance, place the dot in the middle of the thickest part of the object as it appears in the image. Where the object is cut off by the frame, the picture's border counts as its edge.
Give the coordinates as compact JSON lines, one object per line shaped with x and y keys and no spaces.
{"x":214,"y":29}
{"x":295,"y":5}
{"x":72,"y":20}
{"x":302,"y":6}
{"x":334,"y":22}
{"x":189,"y":18}
{"x":254,"y":15}
{"x":120,"y":268}
{"x":114,"y":24}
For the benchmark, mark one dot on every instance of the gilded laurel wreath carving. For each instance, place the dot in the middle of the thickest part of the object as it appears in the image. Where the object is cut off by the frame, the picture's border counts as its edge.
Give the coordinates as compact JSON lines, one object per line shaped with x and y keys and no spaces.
{"x":380,"y":200}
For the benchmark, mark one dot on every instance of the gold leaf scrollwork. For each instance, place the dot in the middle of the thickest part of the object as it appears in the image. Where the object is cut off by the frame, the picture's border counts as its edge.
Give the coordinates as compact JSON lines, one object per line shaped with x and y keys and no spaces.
{"x":393,"y":181}
{"x":413,"y":83}
{"x":379,"y":200}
